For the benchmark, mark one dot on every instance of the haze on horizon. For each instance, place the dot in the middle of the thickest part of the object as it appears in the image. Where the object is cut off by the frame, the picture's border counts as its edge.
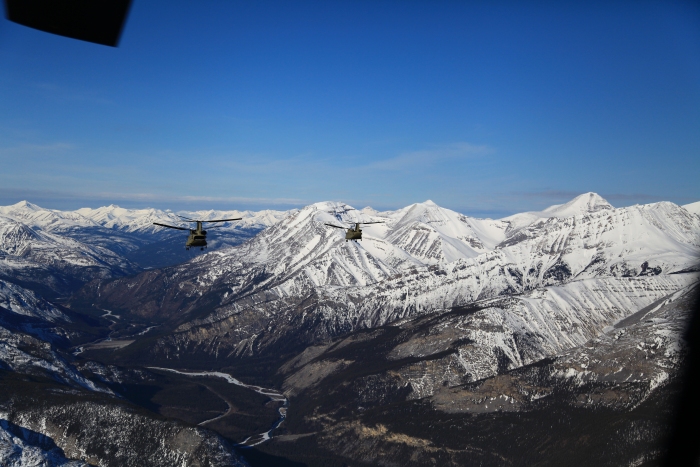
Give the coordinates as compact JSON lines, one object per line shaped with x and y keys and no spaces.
{"x":485,"y":108}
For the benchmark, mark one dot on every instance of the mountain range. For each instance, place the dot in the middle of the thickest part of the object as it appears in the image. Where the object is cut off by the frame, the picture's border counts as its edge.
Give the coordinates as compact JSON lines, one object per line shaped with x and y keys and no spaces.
{"x":433,"y":320}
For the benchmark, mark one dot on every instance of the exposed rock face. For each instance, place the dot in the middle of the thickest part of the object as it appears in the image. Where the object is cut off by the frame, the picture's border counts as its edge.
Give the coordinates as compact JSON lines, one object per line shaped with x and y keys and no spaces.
{"x":58,"y":251}
{"x":20,"y":447}
{"x":55,"y":411}
{"x":618,"y":369}
{"x":51,"y":412}
{"x":403,"y":399}
{"x":52,"y":263}
{"x":113,"y":435}
{"x":429,"y":357}
{"x":301,"y":279}
{"x":429,"y":342}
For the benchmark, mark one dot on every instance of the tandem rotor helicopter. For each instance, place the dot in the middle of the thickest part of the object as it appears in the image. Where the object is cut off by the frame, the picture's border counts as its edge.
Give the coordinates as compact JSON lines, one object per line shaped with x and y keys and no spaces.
{"x":352,"y":229}
{"x":353,"y":233}
{"x":197,"y":237}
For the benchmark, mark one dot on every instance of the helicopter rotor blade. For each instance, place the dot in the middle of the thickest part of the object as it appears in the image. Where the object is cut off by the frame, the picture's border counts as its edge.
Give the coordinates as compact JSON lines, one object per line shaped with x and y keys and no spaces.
{"x":186,"y":218}
{"x":336,"y":226}
{"x":170,"y":226}
{"x":375,"y":222}
{"x":224,"y":220}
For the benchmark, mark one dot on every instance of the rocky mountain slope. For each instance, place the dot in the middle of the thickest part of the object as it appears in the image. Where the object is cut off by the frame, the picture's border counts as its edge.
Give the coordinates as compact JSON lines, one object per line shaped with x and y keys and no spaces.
{"x":20,"y":447}
{"x":50,"y":423}
{"x":606,"y":402}
{"x":56,"y":411}
{"x":399,"y":395}
{"x":135,"y":221}
{"x":693,"y":207}
{"x":424,"y":343}
{"x":300,"y":278}
{"x":51,"y":263}
{"x":58,"y":251}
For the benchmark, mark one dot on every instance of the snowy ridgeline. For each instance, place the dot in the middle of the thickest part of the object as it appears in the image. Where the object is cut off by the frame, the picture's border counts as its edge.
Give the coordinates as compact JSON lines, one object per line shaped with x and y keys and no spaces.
{"x":545,"y":283}
{"x":568,"y":271}
{"x":580,"y":238}
{"x":420,"y":259}
{"x":20,"y":447}
{"x":138,"y":221}
{"x":427,"y":256}
{"x":418,"y":235}
{"x":58,"y":251}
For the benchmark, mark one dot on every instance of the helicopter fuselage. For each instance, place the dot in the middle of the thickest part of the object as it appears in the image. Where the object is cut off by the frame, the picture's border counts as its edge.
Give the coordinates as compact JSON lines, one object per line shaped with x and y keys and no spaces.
{"x":353,"y":233}
{"x":197,"y":237}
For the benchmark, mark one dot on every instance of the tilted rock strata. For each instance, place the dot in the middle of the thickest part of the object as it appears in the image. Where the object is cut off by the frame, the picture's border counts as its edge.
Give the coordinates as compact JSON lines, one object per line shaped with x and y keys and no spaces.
{"x":301,"y":278}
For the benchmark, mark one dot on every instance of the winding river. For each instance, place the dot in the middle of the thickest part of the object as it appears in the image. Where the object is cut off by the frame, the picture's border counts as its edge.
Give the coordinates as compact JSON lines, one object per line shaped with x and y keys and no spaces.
{"x":253,"y":440}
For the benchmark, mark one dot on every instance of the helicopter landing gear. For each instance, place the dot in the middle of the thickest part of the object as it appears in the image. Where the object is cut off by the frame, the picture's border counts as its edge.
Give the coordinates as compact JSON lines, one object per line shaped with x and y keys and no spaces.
{"x":202,"y":248}
{"x":187,"y":248}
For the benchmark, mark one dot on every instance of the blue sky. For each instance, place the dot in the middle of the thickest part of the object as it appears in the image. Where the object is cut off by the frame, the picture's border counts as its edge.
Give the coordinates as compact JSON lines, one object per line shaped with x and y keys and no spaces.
{"x":488,"y":108}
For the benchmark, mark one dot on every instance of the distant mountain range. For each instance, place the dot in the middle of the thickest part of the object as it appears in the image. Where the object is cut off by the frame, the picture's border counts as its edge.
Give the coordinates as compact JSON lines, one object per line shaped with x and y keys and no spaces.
{"x":424,"y":259}
{"x":64,"y":249}
{"x":442,"y":316}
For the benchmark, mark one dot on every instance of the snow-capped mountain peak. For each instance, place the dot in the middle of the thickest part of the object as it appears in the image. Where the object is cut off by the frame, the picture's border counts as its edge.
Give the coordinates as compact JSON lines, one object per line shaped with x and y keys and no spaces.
{"x":586,"y":203}
{"x":424,"y":259}
{"x":25,"y":205}
{"x":301,"y":246}
{"x":141,"y":220}
{"x":15,"y":236}
{"x":582,"y":204}
{"x":693,"y":208}
{"x":63,"y":249}
{"x":433,"y":234}
{"x":44,"y":219}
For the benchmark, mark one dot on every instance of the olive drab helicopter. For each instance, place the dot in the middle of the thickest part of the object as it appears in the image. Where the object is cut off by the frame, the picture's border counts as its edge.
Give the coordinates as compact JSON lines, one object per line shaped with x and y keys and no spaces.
{"x":353,"y":233}
{"x":352,"y":229}
{"x":197,"y":237}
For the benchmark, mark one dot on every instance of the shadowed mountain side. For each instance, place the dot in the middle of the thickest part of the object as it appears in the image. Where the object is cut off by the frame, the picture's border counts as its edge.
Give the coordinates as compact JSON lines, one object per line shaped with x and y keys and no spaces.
{"x":418,"y":345}
{"x":103,"y":430}
{"x":300,"y":281}
{"x":606,"y":402}
{"x":56,"y":252}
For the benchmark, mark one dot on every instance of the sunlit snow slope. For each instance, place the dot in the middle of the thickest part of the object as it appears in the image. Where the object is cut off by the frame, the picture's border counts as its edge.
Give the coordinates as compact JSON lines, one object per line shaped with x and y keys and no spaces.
{"x":67,"y":248}
{"x":302,"y":276}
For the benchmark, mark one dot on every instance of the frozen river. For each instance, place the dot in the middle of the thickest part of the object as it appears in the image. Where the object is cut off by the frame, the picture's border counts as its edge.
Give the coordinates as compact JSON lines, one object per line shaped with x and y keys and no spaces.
{"x":273,"y":394}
